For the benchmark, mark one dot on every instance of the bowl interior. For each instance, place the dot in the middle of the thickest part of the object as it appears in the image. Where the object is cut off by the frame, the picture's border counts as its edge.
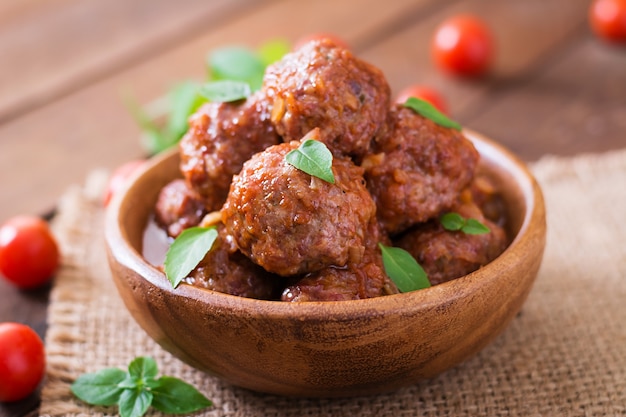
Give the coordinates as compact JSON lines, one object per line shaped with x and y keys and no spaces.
{"x":320,"y":348}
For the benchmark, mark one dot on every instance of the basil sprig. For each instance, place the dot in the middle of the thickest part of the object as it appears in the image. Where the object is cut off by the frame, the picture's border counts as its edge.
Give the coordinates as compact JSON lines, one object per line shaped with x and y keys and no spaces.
{"x":225,"y":91}
{"x":138,"y":389}
{"x":403,"y":269}
{"x":164,"y":121}
{"x":455,"y":222}
{"x":186,"y":252}
{"x":429,"y":111}
{"x":314,"y":158}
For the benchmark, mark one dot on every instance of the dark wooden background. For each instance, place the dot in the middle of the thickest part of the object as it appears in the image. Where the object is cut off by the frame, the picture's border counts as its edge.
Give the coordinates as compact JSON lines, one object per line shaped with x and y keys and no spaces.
{"x":66,"y":64}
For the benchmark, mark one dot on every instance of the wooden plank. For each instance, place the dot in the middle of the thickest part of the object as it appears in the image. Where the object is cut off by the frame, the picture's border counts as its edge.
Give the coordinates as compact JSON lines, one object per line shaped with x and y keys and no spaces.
{"x":50,"y":48}
{"x":577,"y":104}
{"x":52,"y":147}
{"x":526,"y":33}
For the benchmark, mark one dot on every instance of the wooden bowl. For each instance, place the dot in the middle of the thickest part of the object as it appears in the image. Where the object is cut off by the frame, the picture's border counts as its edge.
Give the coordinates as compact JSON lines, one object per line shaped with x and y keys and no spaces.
{"x":329,"y":349}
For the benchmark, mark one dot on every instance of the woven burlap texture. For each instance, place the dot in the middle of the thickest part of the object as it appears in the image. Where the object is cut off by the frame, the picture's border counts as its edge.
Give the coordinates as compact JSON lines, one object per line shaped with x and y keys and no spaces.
{"x":564,"y":355}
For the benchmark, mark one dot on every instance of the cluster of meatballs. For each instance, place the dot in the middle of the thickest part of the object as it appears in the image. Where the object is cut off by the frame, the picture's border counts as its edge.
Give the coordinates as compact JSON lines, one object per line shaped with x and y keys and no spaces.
{"x":284,"y":234}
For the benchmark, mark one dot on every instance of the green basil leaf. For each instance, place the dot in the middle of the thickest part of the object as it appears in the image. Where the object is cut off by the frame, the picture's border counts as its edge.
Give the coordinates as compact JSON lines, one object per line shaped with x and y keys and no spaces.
{"x":314,"y":158}
{"x":143,"y":368}
{"x":100,"y":388}
{"x":429,"y":111}
{"x":403,"y":269}
{"x":237,"y":64}
{"x":452,"y":221}
{"x":134,"y":402}
{"x":173,"y":396}
{"x":273,"y":51}
{"x":225,"y":91}
{"x":154,"y":138}
{"x":184,"y":100}
{"x":187,"y":251}
{"x":474,"y":227}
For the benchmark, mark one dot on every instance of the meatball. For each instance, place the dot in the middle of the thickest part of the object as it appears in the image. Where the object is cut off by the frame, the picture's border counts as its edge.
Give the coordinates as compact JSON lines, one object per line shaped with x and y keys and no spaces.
{"x":178,"y":208}
{"x":221,"y":137}
{"x":290,"y":222}
{"x":446,"y":255}
{"x":363,"y":277}
{"x":417,"y":169}
{"x":227,"y":270}
{"x":323,"y":85}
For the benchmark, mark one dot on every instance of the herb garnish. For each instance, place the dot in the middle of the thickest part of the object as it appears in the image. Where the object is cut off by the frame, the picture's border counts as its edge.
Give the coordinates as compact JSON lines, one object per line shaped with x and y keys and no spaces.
{"x":403,"y":269}
{"x":164,"y":121}
{"x":186,"y":252}
{"x":429,"y":111}
{"x":225,"y":91}
{"x":454,"y":221}
{"x":314,"y":158}
{"x":136,"y":390}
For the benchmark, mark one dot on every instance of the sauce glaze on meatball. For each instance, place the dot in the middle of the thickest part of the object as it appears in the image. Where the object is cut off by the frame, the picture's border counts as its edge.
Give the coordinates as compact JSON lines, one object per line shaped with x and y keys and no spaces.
{"x":178,"y":208}
{"x":322,"y":85}
{"x":417,"y":169}
{"x":446,"y":255}
{"x":221,"y":137}
{"x":363,"y":276}
{"x":290,"y":222}
{"x":227,"y":270}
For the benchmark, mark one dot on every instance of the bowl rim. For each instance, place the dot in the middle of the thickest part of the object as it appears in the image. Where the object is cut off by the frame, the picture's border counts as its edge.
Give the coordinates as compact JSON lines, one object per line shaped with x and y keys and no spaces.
{"x":127,"y":255}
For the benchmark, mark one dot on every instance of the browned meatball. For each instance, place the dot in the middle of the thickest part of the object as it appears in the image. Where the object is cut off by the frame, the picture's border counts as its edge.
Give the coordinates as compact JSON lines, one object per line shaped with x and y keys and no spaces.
{"x":446,"y":255}
{"x":221,"y":137}
{"x":178,"y":208}
{"x":323,"y":85}
{"x":290,"y":222}
{"x":227,"y":270}
{"x":417,"y":169}
{"x":363,"y":277}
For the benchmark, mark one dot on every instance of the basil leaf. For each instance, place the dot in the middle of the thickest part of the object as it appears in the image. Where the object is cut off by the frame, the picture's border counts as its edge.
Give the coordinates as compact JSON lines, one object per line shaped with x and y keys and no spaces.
{"x":173,"y":396}
{"x":237,"y":64}
{"x":100,"y":388}
{"x":403,"y":269}
{"x":273,"y":51}
{"x":314,"y":158}
{"x":429,"y":111}
{"x":184,"y":100}
{"x":452,"y":221}
{"x":225,"y":91}
{"x":134,"y":402}
{"x":187,"y":251}
{"x":143,"y":368}
{"x":474,"y":227}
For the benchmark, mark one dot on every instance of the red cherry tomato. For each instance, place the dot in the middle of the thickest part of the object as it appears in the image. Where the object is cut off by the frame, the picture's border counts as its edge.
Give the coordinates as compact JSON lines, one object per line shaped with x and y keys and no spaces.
{"x":118,"y":179}
{"x":463,"y":45}
{"x":608,"y":19}
{"x":29,"y":254}
{"x":22,"y":361}
{"x":425,"y":93}
{"x":321,"y":35}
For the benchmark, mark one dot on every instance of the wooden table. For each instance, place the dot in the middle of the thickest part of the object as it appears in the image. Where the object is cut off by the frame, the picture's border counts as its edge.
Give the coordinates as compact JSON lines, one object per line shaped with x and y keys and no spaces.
{"x":66,"y":64}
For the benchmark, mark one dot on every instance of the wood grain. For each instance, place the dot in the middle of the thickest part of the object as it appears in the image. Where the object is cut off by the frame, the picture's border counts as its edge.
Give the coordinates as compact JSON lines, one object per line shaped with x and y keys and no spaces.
{"x":49,"y":50}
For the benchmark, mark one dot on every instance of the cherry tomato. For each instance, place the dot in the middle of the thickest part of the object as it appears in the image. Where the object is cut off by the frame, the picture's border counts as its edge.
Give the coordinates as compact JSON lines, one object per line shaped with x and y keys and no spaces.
{"x":425,"y":93}
{"x":608,"y":19}
{"x":321,"y":35}
{"x":22,"y":361}
{"x":118,"y":179}
{"x":463,"y":45}
{"x":29,"y":254}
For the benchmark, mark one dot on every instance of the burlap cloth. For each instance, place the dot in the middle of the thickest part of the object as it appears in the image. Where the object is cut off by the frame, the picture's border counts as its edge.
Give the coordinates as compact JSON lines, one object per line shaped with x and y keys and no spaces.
{"x":564,"y":355}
